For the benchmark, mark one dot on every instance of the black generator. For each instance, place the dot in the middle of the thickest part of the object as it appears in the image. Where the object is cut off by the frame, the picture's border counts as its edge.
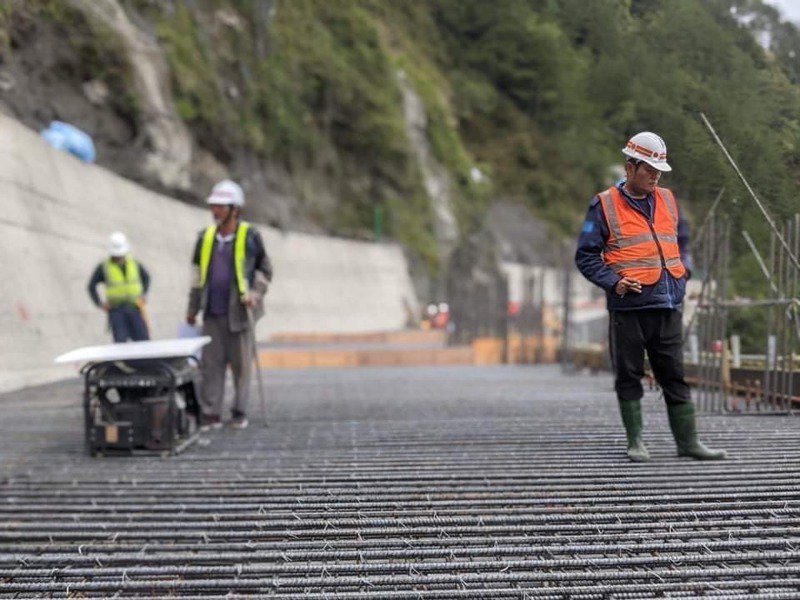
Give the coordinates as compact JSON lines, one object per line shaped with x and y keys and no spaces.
{"x":141,"y":406}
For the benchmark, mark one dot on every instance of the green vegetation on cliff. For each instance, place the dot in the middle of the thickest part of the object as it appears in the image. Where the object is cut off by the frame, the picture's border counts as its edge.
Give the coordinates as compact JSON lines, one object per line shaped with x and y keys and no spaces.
{"x":539,"y":95}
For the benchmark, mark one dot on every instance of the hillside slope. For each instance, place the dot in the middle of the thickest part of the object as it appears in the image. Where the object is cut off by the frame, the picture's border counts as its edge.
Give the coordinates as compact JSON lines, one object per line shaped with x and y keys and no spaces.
{"x":410,"y":119}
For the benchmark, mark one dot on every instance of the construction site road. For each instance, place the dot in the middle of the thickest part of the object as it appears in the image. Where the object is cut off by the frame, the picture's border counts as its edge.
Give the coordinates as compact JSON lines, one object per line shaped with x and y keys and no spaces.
{"x":403,"y":483}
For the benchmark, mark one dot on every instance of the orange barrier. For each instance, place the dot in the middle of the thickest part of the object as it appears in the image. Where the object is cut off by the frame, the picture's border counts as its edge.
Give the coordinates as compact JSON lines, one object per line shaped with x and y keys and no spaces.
{"x":322,"y":358}
{"x":530,"y":350}
{"x":482,"y":351}
{"x":515,"y":349}
{"x":488,"y":351}
{"x":410,"y":336}
{"x":548,"y":350}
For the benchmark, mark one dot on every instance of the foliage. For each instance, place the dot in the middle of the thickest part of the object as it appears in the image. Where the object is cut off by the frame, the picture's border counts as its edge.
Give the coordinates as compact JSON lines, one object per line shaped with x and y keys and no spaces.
{"x":98,"y":53}
{"x":539,"y":95}
{"x":323,"y":97}
{"x":6,"y":12}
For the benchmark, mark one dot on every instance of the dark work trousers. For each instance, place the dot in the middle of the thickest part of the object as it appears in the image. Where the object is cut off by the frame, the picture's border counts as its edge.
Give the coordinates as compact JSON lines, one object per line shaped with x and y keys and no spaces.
{"x":659,"y":332}
{"x":127,"y":323}
{"x":226,"y":348}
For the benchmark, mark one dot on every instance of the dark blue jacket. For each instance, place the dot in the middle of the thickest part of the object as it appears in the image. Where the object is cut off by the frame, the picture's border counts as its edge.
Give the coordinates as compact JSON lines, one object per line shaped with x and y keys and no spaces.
{"x":667,"y":292}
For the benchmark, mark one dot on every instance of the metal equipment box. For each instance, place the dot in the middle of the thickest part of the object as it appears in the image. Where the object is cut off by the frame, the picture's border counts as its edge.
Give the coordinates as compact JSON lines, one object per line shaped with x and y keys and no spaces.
{"x":141,"y":406}
{"x":140,"y":397}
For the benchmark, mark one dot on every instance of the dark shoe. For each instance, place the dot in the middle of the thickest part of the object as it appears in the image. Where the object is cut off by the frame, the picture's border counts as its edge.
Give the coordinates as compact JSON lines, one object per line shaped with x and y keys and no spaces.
{"x":208,"y":422}
{"x":683,"y":423}
{"x":631,"y":412}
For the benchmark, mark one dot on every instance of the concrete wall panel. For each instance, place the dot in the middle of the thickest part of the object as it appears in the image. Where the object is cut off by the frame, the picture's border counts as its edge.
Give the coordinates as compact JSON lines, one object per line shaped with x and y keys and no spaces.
{"x":57,"y":215}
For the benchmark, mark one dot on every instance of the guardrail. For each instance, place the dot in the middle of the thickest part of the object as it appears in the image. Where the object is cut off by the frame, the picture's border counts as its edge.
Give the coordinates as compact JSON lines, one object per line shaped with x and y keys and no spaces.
{"x":737,"y":389}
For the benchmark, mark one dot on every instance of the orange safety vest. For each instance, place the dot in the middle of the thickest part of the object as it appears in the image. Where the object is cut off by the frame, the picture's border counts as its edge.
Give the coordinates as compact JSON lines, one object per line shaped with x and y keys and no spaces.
{"x":636,"y":248}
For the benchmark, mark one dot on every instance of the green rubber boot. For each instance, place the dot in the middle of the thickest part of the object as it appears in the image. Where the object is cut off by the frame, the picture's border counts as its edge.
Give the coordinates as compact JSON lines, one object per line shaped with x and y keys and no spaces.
{"x":684,"y":429}
{"x":631,"y":412}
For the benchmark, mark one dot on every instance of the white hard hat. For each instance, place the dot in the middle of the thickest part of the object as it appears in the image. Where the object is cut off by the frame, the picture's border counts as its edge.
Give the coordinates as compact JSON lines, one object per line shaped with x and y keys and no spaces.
{"x":118,"y":244}
{"x":227,"y":192}
{"x":650,"y":148}
{"x":443,"y":307}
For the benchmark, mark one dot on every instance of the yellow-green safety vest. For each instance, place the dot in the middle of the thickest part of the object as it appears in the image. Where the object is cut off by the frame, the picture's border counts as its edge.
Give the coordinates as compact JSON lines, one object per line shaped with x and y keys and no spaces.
{"x":239,"y":255}
{"x":123,"y":286}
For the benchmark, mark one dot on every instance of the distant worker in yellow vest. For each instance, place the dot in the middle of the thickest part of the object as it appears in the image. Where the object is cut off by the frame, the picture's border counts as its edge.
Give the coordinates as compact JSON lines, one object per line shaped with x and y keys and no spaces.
{"x":635,"y":245}
{"x":231,"y":273}
{"x":126,"y":283}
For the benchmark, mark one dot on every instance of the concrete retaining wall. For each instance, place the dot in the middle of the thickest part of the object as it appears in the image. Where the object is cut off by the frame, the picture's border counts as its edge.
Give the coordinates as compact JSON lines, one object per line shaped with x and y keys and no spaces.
{"x":56,"y":216}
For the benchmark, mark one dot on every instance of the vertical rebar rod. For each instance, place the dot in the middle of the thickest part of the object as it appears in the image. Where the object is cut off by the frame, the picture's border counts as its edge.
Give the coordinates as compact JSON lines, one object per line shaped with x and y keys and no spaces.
{"x":713,"y":378}
{"x":711,"y":257}
{"x":767,"y":402}
{"x":719,"y":333}
{"x":762,"y":208}
{"x":786,"y":274}
{"x":761,"y":264}
{"x":703,"y":318}
{"x":566,"y":351}
{"x":793,"y":293}
{"x":701,"y":231}
{"x":700,"y":318}
{"x":714,"y":320}
{"x":722,"y":401}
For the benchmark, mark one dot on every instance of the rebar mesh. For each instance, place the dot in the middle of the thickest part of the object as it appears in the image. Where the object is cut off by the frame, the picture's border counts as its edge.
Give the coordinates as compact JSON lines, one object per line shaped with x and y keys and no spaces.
{"x":453,"y":483}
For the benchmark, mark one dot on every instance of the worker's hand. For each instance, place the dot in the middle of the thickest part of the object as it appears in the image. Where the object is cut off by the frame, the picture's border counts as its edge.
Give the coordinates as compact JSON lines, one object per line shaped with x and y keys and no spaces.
{"x":249,"y":300}
{"x":105,"y":306}
{"x":626,"y":284}
{"x":191,"y":319}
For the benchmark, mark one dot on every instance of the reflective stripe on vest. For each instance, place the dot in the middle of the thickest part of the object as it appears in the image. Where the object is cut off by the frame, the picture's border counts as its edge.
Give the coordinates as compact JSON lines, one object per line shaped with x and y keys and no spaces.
{"x":122,"y":286}
{"x":632,"y":248}
{"x":239,"y":255}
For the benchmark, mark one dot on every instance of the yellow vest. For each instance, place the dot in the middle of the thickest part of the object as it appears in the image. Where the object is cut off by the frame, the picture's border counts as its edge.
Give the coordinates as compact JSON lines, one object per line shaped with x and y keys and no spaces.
{"x":239,"y":255}
{"x":123,"y":286}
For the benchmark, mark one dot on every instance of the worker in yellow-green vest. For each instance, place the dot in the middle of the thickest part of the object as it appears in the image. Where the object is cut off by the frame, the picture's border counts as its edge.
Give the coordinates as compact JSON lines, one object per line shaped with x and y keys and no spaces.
{"x":126,"y":283}
{"x":231,"y":273}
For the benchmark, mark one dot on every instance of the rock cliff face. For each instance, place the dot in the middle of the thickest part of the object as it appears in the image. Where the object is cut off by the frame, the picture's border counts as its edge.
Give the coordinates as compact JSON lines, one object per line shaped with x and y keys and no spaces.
{"x":329,"y":117}
{"x":52,"y":68}
{"x":101,"y":66}
{"x":167,"y":154}
{"x":436,"y":178}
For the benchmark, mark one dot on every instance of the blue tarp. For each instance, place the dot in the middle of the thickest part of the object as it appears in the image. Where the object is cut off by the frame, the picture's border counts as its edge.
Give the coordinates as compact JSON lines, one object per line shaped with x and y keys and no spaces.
{"x":69,"y":138}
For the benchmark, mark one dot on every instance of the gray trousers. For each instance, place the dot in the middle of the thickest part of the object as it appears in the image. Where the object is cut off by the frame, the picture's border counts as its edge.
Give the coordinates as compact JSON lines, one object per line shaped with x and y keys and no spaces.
{"x":226,"y":348}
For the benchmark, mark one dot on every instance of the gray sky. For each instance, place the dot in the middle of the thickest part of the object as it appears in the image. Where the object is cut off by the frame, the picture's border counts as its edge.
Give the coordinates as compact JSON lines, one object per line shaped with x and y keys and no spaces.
{"x":789,"y":8}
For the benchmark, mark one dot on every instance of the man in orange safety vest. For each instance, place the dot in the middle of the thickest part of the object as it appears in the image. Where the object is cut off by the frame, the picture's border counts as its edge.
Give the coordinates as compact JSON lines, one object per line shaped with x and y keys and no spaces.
{"x":634,"y":245}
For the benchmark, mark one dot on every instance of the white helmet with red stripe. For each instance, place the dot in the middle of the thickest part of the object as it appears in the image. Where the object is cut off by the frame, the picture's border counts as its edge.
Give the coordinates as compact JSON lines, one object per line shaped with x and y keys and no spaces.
{"x":227,"y":192}
{"x":650,"y":148}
